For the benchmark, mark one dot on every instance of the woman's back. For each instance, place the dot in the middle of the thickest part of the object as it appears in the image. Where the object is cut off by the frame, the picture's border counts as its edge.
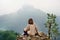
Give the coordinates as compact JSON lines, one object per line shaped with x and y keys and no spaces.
{"x":33,"y":29}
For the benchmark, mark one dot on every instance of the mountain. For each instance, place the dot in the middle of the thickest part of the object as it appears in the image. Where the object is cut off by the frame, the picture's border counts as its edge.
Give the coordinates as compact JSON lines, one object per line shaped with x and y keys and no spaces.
{"x":18,"y":20}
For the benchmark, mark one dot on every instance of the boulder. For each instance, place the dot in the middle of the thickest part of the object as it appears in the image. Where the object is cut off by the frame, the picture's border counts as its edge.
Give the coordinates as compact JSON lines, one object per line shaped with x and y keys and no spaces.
{"x":42,"y":36}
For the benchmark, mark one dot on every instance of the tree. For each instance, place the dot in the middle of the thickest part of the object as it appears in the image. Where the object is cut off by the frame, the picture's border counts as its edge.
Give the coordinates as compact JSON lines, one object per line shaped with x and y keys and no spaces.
{"x":8,"y":35}
{"x":55,"y":32}
{"x":51,"y":22}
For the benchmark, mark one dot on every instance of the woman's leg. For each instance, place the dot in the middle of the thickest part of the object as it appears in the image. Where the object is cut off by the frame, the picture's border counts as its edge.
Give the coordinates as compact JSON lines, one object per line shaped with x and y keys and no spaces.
{"x":25,"y":33}
{"x":36,"y":34}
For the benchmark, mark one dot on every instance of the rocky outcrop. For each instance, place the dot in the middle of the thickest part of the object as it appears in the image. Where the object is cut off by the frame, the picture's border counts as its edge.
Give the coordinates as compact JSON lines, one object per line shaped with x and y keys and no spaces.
{"x":42,"y":36}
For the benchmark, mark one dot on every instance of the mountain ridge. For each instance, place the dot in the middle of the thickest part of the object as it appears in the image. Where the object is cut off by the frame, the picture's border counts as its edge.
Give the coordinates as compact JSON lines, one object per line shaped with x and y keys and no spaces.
{"x":17,"y":21}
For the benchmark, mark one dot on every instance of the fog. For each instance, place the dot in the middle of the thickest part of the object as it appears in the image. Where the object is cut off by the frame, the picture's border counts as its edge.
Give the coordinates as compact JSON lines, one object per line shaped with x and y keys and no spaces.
{"x":48,"y":6}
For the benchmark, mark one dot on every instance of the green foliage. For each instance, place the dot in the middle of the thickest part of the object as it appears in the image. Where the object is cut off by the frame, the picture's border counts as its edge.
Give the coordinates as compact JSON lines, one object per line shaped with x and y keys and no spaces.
{"x":52,"y":25}
{"x":7,"y":35}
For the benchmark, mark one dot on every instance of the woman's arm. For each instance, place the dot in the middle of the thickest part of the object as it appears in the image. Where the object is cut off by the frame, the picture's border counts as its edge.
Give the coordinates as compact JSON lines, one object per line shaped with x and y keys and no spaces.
{"x":27,"y":28}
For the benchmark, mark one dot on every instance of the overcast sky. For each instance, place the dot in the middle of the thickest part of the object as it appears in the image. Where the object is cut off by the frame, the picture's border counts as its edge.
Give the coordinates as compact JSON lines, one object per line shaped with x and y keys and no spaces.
{"x":9,"y":6}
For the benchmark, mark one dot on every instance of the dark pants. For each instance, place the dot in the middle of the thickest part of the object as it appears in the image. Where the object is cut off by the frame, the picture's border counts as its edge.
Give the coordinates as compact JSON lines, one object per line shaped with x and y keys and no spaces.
{"x":36,"y":34}
{"x":25,"y":33}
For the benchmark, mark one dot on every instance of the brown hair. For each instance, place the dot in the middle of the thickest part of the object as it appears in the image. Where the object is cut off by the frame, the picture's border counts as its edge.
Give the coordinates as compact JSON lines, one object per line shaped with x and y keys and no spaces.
{"x":30,"y":21}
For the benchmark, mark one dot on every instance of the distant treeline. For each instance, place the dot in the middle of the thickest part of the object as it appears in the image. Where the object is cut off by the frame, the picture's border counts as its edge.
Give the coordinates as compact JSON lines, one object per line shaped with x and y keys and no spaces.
{"x":8,"y":35}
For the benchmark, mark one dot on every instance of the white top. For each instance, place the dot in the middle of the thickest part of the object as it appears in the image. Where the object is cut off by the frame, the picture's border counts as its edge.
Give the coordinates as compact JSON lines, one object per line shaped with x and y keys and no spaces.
{"x":31,"y":29}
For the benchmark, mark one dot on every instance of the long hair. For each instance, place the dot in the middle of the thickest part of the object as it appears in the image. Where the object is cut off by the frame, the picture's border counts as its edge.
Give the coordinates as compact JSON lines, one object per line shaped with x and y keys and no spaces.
{"x":30,"y":21}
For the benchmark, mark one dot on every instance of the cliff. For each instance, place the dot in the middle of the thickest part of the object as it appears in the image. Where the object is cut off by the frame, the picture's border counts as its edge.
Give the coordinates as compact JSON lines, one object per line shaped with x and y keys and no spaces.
{"x":42,"y":36}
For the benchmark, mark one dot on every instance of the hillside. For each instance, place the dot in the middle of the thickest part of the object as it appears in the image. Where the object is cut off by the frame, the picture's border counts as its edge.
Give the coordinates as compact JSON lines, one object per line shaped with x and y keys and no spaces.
{"x":18,"y":20}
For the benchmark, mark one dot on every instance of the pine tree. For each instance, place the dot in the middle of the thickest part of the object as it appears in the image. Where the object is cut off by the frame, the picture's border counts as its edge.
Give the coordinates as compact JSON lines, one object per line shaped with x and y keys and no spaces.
{"x":55,"y":31}
{"x":51,"y":25}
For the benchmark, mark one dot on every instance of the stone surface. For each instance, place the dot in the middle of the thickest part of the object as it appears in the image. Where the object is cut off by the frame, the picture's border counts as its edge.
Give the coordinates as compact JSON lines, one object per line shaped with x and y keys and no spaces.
{"x":42,"y":36}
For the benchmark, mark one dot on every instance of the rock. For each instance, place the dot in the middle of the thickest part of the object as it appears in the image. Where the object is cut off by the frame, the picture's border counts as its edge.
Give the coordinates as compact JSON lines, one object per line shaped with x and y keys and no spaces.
{"x":42,"y":36}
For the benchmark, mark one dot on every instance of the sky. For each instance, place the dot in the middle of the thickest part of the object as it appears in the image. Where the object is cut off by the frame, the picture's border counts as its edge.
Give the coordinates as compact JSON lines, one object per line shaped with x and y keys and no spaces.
{"x":48,"y":6}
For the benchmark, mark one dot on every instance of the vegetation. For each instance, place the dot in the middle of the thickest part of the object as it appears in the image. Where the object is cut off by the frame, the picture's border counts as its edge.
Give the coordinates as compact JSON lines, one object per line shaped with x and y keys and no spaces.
{"x":55,"y":32}
{"x":52,"y":26}
{"x":8,"y":35}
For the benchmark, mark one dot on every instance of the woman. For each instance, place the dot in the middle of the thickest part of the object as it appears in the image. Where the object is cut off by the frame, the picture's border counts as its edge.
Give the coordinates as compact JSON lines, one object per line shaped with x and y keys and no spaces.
{"x":31,"y":28}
